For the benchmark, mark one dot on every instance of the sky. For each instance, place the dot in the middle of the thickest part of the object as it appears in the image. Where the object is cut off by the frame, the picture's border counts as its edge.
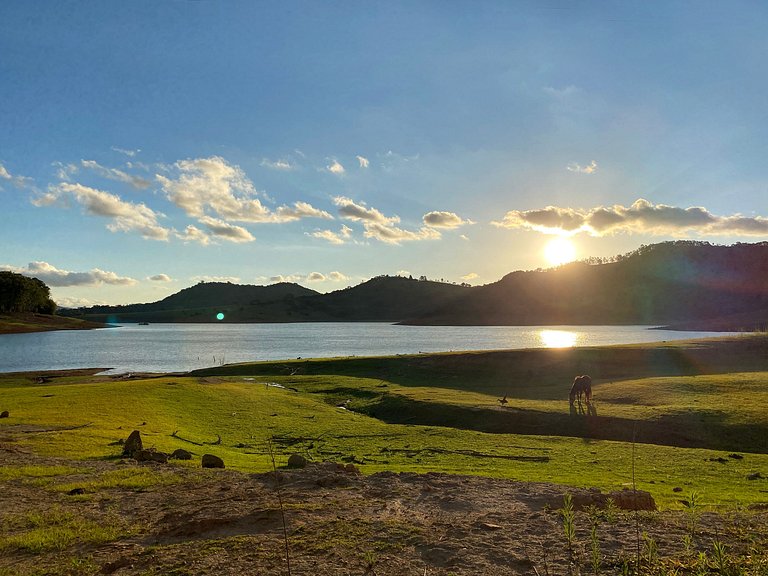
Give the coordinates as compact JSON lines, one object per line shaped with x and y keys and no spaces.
{"x":146,"y":146}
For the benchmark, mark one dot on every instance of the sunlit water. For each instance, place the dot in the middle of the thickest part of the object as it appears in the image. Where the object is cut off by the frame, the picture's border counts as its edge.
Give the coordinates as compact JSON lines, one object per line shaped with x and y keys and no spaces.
{"x":182,"y":347}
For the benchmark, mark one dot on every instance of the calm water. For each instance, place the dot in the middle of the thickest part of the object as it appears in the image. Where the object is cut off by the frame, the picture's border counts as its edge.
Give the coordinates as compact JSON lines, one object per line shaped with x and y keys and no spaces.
{"x":182,"y":347}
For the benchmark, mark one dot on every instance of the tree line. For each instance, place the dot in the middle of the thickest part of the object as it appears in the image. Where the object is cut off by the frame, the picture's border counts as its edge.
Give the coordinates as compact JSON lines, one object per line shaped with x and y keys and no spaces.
{"x":22,"y":294}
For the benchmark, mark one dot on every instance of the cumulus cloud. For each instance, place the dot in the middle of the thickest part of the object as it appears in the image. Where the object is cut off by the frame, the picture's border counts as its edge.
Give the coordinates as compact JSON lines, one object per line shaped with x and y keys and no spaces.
{"x":378,"y":226}
{"x":125,"y":216}
{"x":590,"y":168}
{"x":335,"y":167}
{"x":447,"y":220}
{"x":225,"y":230}
{"x":289,"y":278}
{"x":315,"y":277}
{"x":114,"y":174}
{"x":72,"y":302}
{"x":337,"y":276}
{"x":194,"y":234}
{"x":364,"y":162}
{"x":359,"y":212}
{"x":641,"y":217}
{"x":65,"y":172}
{"x":470,"y":276}
{"x":55,"y":277}
{"x":212,"y":187}
{"x":160,"y":278}
{"x":339,"y":237}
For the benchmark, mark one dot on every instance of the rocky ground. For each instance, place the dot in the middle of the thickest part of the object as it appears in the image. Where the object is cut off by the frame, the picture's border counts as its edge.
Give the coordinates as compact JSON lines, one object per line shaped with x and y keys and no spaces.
{"x":338,"y":521}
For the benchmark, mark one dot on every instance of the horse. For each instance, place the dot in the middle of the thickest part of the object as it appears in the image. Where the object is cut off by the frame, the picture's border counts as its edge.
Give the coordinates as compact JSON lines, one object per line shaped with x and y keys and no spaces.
{"x":582,"y":386}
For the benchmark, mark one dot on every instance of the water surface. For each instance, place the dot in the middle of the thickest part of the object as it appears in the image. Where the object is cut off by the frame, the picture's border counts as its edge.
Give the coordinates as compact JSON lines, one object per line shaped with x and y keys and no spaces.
{"x":182,"y":347}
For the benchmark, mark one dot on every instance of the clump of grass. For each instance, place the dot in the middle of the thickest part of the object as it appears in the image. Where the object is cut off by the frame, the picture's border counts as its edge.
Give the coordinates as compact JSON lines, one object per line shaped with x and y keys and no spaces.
{"x":135,"y":478}
{"x":55,"y":529}
{"x":16,"y":472}
{"x":569,"y":527}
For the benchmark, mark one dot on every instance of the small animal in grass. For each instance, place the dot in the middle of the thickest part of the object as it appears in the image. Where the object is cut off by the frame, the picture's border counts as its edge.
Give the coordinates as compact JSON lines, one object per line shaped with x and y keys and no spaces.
{"x":581,"y":388}
{"x":503,"y":401}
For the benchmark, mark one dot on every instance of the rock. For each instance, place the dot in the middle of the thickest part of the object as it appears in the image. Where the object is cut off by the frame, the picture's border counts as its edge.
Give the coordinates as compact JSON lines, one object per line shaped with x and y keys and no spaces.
{"x":181,"y":454}
{"x":76,"y":491}
{"x":4,"y":414}
{"x":132,"y":444}
{"x":677,"y":489}
{"x":150,"y":456}
{"x":736,"y":456}
{"x":633,"y":499}
{"x":211,"y":461}
{"x":755,"y":476}
{"x":351,"y":469}
{"x":297,"y":461}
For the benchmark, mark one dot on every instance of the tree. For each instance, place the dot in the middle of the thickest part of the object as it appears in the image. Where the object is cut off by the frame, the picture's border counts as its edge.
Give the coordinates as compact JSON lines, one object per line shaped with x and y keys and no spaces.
{"x":21,"y":294}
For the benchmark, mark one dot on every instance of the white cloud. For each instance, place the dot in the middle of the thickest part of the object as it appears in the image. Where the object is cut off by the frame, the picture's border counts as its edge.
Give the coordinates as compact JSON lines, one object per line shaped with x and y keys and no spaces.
{"x":290,"y":278}
{"x":194,"y":234}
{"x":65,"y":172}
{"x":129,"y":153}
{"x":315,"y":277}
{"x":447,"y":220}
{"x":225,"y":230}
{"x":339,"y":237}
{"x":125,"y":216}
{"x":335,"y":168}
{"x":114,"y":174}
{"x":160,"y":278}
{"x":205,"y":278}
{"x":590,"y":168}
{"x":394,"y":235}
{"x":364,"y":162}
{"x":17,"y":181}
{"x":641,"y":217}
{"x":359,"y":212}
{"x":72,"y":302}
{"x":464,"y":237}
{"x":53,"y":276}
{"x":212,"y":185}
{"x":470,"y":276}
{"x":337,"y":276}
{"x":280,"y":164}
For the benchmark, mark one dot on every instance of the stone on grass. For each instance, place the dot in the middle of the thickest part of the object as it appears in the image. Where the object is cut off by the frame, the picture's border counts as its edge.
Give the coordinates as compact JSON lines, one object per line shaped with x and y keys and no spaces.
{"x":297,"y":461}
{"x":755,"y":476}
{"x":150,"y":456}
{"x":4,"y":414}
{"x":132,"y":444}
{"x":181,"y":454}
{"x":211,"y":461}
{"x":633,"y":499}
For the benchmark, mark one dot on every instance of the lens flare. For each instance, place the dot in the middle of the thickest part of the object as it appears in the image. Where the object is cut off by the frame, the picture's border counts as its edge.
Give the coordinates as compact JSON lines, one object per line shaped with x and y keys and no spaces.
{"x":220,"y":316}
{"x":560,"y":250}
{"x":558,"y":338}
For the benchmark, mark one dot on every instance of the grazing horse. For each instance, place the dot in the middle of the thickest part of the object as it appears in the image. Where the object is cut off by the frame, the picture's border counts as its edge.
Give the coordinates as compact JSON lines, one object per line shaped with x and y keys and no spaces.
{"x":582,"y":386}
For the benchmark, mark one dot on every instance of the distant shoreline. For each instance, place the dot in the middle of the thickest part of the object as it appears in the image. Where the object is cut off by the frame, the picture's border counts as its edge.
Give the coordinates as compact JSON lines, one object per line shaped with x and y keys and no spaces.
{"x":28,"y":323}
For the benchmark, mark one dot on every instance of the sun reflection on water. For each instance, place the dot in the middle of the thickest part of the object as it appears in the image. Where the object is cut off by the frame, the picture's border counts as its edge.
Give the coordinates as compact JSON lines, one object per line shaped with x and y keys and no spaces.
{"x":558,"y":338}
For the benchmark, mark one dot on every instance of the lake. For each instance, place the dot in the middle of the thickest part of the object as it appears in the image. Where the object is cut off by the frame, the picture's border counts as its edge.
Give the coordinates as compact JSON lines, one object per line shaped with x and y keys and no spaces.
{"x":183,"y":347}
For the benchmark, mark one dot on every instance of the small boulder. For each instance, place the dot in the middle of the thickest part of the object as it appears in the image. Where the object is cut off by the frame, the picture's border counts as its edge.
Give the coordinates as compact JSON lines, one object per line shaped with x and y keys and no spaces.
{"x":4,"y":414}
{"x":297,"y":461}
{"x":211,"y":461}
{"x":633,"y":499}
{"x":181,"y":454}
{"x":133,"y":444}
{"x":755,"y":476}
{"x":76,"y":491}
{"x":150,"y":456}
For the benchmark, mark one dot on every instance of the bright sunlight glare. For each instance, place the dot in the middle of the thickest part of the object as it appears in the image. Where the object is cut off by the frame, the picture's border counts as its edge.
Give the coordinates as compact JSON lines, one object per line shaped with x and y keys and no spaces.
{"x":560,"y":250}
{"x":558,"y":338}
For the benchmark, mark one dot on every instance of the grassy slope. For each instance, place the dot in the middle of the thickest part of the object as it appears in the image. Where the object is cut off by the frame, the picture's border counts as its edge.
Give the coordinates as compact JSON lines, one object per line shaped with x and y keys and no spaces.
{"x":245,"y":411}
{"x":20,"y":323}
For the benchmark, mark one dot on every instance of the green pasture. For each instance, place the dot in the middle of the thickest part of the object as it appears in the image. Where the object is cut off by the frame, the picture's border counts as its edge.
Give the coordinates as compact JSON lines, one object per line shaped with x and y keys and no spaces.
{"x":415,"y":414}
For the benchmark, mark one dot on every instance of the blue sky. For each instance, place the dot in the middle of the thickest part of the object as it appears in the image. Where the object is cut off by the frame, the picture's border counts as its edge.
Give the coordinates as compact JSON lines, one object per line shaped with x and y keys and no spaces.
{"x":146,"y":146}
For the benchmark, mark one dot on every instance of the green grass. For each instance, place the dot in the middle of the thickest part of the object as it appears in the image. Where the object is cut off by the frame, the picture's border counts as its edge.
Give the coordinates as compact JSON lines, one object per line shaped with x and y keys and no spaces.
{"x":54,"y":529}
{"x":9,"y":472}
{"x":434,"y":413}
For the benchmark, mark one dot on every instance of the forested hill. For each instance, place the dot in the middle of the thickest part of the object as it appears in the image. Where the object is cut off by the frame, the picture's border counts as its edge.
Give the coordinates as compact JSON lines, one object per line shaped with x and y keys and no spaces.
{"x":381,"y":299}
{"x":692,"y":284}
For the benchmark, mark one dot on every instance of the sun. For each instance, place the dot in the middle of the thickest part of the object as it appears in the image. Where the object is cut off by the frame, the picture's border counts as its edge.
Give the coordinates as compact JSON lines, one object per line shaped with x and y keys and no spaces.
{"x":560,"y":250}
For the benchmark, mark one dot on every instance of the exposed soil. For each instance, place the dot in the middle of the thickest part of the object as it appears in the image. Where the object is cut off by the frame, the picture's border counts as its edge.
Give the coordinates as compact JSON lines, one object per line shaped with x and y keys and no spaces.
{"x":340,"y":522}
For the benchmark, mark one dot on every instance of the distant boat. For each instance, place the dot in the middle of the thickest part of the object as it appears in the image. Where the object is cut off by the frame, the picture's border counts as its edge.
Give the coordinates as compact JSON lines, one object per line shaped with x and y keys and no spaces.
{"x":143,"y":323}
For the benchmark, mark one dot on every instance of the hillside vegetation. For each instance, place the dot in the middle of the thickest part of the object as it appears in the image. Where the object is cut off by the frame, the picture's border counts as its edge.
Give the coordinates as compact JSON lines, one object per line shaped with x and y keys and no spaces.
{"x":691,"y":285}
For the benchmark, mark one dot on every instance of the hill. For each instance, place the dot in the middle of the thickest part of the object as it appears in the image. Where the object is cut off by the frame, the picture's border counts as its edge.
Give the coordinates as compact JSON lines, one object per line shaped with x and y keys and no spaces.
{"x":381,"y":299}
{"x":690,"y":284}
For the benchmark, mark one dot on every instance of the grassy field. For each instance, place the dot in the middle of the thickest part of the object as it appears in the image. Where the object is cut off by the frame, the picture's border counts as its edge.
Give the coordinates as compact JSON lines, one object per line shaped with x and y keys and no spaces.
{"x":696,"y":411}
{"x":20,"y":323}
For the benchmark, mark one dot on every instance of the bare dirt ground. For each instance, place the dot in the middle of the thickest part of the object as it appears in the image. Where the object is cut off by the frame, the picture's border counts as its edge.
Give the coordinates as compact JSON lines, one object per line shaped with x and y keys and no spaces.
{"x":340,"y":522}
